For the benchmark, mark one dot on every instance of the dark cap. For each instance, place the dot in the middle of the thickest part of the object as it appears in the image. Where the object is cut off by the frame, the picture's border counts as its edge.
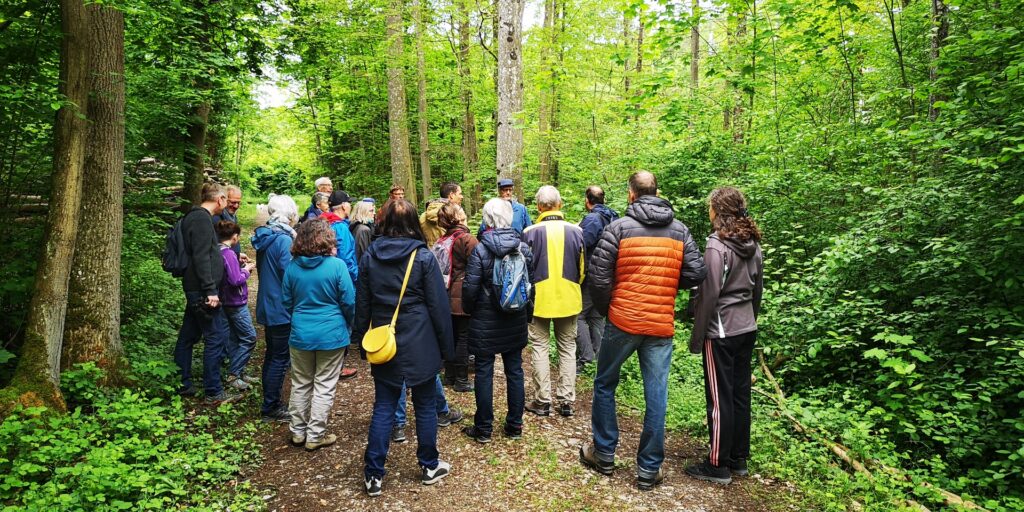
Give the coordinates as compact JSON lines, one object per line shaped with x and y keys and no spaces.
{"x":338,"y":197}
{"x":505,"y":182}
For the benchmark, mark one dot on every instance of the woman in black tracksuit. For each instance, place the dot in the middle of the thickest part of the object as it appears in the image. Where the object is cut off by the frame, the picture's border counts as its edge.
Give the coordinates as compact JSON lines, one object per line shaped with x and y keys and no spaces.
{"x":724,"y":329}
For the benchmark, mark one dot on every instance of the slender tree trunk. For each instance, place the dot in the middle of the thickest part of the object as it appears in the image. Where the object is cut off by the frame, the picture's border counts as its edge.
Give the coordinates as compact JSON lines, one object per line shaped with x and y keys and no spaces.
{"x":889,"y":9}
{"x":547,"y":72}
{"x":627,"y":40}
{"x":940,"y":31}
{"x":36,"y":379}
{"x":470,"y":152}
{"x":195,"y":151}
{"x":694,"y":48}
{"x":92,"y":330}
{"x":737,"y":111}
{"x":556,"y":99}
{"x":421,"y":90}
{"x":398,"y":117}
{"x":510,"y":93}
{"x":315,"y":122}
{"x":639,"y":51}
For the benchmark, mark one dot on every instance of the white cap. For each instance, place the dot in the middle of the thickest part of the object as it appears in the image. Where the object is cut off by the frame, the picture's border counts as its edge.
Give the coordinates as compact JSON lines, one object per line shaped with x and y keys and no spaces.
{"x":323,"y":181}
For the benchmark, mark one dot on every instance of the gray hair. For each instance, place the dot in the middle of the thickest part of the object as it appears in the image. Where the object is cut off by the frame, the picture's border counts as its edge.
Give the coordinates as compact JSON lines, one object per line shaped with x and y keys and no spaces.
{"x":498,"y":213}
{"x":548,"y":198}
{"x":321,"y":197}
{"x":283,"y":208}
{"x":232,"y":188}
{"x":324,"y":180}
{"x":362,"y":212}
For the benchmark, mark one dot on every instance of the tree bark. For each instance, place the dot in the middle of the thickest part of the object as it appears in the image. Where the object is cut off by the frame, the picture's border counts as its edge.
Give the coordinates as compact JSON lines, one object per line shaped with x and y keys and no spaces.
{"x":470,"y":152}
{"x":694,"y":48}
{"x":547,"y":74}
{"x":940,"y":31}
{"x":36,"y":379}
{"x":92,"y":330}
{"x":627,"y":37}
{"x":195,"y":151}
{"x":421,"y":91}
{"x":510,"y":93}
{"x":398,"y":117}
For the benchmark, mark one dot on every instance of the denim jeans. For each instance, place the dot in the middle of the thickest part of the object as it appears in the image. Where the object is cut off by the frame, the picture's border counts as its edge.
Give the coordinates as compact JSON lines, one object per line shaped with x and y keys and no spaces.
{"x":242,"y":339}
{"x":212,"y":327}
{"x":275,"y":366}
{"x":424,"y":400}
{"x":442,"y":403}
{"x":514,"y":389}
{"x":655,"y":360}
{"x":589,"y":328}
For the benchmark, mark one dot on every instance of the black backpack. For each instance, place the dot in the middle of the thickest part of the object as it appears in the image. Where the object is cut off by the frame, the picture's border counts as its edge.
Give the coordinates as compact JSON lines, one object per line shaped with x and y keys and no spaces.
{"x":175,"y":255}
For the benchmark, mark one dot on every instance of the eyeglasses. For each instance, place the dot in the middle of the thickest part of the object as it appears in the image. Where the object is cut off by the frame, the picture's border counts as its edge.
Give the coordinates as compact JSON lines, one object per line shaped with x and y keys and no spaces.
{"x":234,"y":203}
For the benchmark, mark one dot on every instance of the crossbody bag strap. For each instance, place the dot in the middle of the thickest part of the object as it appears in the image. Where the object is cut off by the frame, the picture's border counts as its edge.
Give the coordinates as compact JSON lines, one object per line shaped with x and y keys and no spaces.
{"x":405,"y":282}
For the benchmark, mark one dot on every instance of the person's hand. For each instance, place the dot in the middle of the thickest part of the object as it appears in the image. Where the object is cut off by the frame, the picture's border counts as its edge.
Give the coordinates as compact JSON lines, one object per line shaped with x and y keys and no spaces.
{"x":212,"y":301}
{"x":249,"y":267}
{"x":244,"y":258}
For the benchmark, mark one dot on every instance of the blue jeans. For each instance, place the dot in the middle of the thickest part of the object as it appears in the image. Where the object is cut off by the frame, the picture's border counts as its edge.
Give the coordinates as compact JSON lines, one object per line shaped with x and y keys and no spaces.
{"x":483,"y":420}
{"x":212,"y":327}
{"x":655,"y":360}
{"x":424,"y":400}
{"x":275,"y":366}
{"x":242,"y":339}
{"x":442,"y":403}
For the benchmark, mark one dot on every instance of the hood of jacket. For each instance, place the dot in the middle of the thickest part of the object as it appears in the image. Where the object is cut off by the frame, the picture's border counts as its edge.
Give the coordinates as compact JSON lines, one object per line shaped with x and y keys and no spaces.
{"x":330,"y":217}
{"x":607,"y":213}
{"x":387,"y":248}
{"x":265,"y":235}
{"x":651,"y":211}
{"x":501,"y":241}
{"x":745,"y":249}
{"x":432,"y":210}
{"x":309,"y":262}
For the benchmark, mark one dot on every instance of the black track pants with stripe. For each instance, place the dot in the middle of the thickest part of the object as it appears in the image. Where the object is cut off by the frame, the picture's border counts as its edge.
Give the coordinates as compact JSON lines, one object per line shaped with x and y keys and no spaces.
{"x":727,"y":388}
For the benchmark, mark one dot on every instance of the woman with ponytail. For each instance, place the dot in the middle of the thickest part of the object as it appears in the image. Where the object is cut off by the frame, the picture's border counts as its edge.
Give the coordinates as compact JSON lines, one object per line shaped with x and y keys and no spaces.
{"x":724,"y":329}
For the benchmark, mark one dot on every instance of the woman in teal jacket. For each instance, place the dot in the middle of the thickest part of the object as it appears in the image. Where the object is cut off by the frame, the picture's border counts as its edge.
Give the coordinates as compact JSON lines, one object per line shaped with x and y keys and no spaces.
{"x":318,"y":292}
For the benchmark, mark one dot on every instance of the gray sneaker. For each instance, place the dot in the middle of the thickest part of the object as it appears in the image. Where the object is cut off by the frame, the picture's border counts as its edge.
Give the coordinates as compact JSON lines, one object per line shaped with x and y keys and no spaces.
{"x":223,"y":398}
{"x":454,"y":416}
{"x":251,"y":379}
{"x":327,"y":440}
{"x":238,"y":383}
{"x":398,"y":434}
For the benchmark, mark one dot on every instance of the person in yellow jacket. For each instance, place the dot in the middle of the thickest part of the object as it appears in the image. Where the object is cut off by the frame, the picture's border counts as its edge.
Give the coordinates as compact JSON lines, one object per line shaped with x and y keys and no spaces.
{"x":556,"y":271}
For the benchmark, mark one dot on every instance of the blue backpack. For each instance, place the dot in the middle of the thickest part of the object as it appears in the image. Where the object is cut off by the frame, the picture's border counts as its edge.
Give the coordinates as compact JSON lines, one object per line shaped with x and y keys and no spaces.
{"x":511,"y":282}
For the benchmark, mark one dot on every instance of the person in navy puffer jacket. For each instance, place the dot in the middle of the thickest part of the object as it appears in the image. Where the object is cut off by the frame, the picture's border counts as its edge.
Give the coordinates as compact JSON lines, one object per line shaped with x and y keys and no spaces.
{"x":590,"y":322}
{"x":318,"y":292}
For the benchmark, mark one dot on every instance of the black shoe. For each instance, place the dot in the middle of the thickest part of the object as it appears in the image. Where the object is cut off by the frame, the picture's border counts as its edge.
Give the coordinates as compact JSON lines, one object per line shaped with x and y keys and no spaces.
{"x":738,"y":467}
{"x":462,"y":386}
{"x":476,"y":434}
{"x":398,"y":434}
{"x":539,"y":408}
{"x":648,"y":483}
{"x":588,"y":456}
{"x":189,"y":392}
{"x":705,"y":471}
{"x":277,"y":416}
{"x":373,"y":485}
{"x":433,"y":476}
{"x":513,"y":432}
{"x":223,"y":398}
{"x":565,"y":409}
{"x":454,"y":416}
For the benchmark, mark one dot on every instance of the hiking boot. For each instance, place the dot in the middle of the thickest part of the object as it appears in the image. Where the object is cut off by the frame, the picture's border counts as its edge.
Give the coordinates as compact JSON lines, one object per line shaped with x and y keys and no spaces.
{"x":513,"y":432}
{"x":565,"y":409}
{"x":347,"y":373}
{"x":373,"y":484}
{"x":327,"y":440}
{"x":539,"y":408}
{"x":398,"y":434}
{"x":705,"y":471}
{"x":588,"y":456}
{"x":647,"y":483}
{"x":463,"y":386}
{"x":223,"y":398}
{"x":476,"y":434}
{"x":297,"y":440}
{"x":237,"y":383}
{"x":279,"y":415}
{"x":738,"y":467}
{"x":454,"y":416}
{"x":433,"y":476}
{"x":189,"y":392}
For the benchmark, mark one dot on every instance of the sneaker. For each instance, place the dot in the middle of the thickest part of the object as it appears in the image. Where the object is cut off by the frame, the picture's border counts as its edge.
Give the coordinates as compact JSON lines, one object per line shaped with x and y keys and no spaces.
{"x":454,"y":416}
{"x":347,"y":373}
{"x":648,"y":483}
{"x":398,"y":434}
{"x":327,"y":440}
{"x":189,"y":392}
{"x":513,"y":432}
{"x":433,"y":476}
{"x":539,"y":408}
{"x":476,"y":434}
{"x":251,"y":379}
{"x":462,"y":386}
{"x":297,"y":440}
{"x":565,"y":409}
{"x":280,"y":415}
{"x":373,"y":484}
{"x":223,"y":398}
{"x":237,"y":383}
{"x":738,"y":467}
{"x":705,"y":471}
{"x":588,"y":456}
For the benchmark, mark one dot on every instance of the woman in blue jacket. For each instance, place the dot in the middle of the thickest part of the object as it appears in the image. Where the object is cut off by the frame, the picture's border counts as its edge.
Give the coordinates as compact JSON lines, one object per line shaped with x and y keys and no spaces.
{"x":319,"y":294}
{"x":423,"y":332}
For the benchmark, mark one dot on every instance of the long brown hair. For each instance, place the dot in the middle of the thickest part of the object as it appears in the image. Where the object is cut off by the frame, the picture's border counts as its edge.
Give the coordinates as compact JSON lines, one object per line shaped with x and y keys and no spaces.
{"x":732,"y":220}
{"x":398,"y":219}
{"x":314,"y":238}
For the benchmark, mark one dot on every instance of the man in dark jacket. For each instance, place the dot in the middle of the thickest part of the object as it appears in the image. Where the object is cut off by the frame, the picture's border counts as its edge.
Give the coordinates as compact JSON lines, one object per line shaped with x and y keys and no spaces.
{"x":230,"y":214}
{"x":204,"y":316}
{"x":640,"y":263}
{"x":590,"y":323}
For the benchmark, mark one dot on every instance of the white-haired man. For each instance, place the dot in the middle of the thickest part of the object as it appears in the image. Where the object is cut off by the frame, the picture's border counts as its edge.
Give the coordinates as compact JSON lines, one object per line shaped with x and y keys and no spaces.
{"x":323,"y":184}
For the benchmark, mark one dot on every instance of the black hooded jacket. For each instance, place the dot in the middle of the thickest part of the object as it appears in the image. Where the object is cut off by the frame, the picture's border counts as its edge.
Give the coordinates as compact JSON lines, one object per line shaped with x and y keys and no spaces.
{"x":492,"y":330}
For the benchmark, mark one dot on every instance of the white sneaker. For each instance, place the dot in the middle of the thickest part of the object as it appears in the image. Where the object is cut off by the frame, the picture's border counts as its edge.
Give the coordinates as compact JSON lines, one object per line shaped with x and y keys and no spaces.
{"x":433,"y":476}
{"x":373,"y":486}
{"x":239,"y":384}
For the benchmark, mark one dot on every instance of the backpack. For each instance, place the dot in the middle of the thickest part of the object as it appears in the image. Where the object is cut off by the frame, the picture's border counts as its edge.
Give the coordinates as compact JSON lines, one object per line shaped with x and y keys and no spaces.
{"x":175,"y":256}
{"x":511,"y":282}
{"x":443,"y":254}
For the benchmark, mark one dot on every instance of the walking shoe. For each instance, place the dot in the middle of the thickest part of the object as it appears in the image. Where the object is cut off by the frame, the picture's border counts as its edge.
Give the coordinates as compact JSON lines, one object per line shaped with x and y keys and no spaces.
{"x":297,"y":440}
{"x":223,"y":398}
{"x":279,"y":415}
{"x":588,"y":456}
{"x":398,"y":434}
{"x":738,"y":467}
{"x":347,"y":373}
{"x":238,"y":383}
{"x":565,"y":409}
{"x":513,"y":432}
{"x":463,"y":386}
{"x":327,"y":440}
{"x":251,"y":379}
{"x":648,"y":483}
{"x":539,"y":408}
{"x":705,"y":471}
{"x":433,"y":476}
{"x":373,"y":484}
{"x":187,"y":392}
{"x":454,"y":416}
{"x":476,"y":434}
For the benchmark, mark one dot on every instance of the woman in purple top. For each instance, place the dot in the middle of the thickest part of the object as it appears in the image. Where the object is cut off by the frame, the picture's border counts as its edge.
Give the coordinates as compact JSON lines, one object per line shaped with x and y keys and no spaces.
{"x":234,"y":296}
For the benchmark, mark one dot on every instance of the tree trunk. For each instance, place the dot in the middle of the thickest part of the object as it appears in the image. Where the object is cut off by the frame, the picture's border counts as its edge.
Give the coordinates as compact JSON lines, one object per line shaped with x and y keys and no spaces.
{"x":398,"y":117}
{"x":195,"y":151}
{"x":547,"y":74}
{"x":940,"y":31}
{"x":315,"y":124}
{"x":510,"y":93}
{"x":694,"y":48}
{"x":470,"y":153}
{"x":421,"y":91}
{"x":36,"y":379}
{"x":737,"y":110}
{"x":627,"y":39}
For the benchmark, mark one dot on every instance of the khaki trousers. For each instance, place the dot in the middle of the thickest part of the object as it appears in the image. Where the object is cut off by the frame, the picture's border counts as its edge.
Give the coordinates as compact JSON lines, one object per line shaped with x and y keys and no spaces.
{"x":565,"y":336}
{"x":314,"y":379}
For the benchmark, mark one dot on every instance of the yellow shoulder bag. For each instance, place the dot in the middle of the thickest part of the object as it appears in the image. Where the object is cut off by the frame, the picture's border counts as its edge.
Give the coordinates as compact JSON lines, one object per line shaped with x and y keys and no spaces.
{"x":379,"y":343}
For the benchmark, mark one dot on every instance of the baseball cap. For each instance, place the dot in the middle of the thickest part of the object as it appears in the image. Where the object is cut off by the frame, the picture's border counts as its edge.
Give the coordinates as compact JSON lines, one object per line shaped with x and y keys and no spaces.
{"x":338,"y":197}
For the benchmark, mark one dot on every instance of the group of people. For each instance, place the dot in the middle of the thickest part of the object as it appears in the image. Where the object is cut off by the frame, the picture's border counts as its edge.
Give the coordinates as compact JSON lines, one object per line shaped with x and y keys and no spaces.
{"x":456,"y":300}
